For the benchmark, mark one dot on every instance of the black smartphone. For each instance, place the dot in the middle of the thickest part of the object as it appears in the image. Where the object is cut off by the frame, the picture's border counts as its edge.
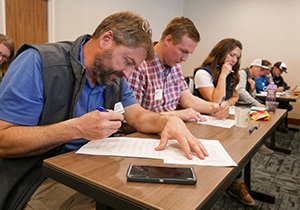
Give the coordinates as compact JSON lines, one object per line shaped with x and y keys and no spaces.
{"x":161,"y":174}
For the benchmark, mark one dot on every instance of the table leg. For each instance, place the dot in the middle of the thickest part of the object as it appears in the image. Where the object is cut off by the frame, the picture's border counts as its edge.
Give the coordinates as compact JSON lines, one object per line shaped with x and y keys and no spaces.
{"x":275,"y":148}
{"x":286,"y":104}
{"x":256,"y":195}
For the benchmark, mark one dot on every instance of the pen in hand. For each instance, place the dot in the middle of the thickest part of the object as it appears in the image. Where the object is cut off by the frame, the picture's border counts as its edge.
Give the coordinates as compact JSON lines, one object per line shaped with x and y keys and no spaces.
{"x":222,"y":100}
{"x":102,"y":109}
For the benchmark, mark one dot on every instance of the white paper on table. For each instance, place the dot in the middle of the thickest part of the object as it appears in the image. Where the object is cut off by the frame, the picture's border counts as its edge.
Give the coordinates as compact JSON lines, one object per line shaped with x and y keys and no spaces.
{"x":224,"y":123}
{"x":145,"y":148}
{"x":123,"y":146}
{"x":264,"y":93}
{"x":217,"y":154}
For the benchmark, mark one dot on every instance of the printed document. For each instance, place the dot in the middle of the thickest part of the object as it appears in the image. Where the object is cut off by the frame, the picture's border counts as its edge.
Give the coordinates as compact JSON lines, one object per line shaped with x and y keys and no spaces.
{"x":224,"y":123}
{"x":145,"y":148}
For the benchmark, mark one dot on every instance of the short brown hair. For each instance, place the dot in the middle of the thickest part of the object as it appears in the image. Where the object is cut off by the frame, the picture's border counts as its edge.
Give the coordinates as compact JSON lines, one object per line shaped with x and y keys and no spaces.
{"x":130,"y":30}
{"x":180,"y":26}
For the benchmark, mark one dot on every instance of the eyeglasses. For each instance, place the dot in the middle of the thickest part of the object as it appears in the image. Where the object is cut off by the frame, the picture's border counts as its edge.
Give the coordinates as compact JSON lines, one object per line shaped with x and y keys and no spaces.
{"x":146,"y":27}
{"x":4,"y":57}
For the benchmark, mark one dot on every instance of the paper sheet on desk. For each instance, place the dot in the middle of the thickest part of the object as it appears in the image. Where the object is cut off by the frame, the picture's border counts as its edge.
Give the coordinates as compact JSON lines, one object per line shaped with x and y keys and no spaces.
{"x":264,"y":93}
{"x":145,"y":148}
{"x":224,"y":123}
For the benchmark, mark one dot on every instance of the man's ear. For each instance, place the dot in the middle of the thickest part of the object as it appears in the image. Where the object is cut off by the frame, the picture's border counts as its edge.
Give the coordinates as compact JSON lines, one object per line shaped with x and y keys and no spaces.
{"x":106,"y":39}
{"x":168,"y":40}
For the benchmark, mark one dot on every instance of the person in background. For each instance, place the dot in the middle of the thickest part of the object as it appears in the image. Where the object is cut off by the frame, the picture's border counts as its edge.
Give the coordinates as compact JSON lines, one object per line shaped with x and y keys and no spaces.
{"x":262,"y":82}
{"x":277,"y":70}
{"x":49,"y":99}
{"x":218,"y":77}
{"x":7,"y":53}
{"x":246,"y":87}
{"x":159,"y":84}
{"x":247,"y":90}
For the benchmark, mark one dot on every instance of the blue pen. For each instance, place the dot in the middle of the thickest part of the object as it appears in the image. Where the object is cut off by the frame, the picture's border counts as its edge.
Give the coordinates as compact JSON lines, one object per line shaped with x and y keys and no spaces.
{"x":222,"y":100}
{"x":253,"y":128}
{"x":101,"y":109}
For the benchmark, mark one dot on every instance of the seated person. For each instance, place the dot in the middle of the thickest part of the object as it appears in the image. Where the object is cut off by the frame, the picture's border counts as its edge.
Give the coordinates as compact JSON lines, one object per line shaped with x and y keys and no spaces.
{"x":215,"y":80}
{"x":159,"y":84}
{"x":218,"y":78}
{"x":247,"y":90}
{"x":246,"y":87}
{"x":277,"y":69}
{"x":262,"y":82}
{"x":48,"y":106}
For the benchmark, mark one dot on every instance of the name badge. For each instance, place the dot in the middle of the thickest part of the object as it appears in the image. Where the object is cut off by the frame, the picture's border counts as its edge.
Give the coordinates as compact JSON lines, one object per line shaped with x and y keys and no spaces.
{"x":158,"y":95}
{"x":119,"y":108}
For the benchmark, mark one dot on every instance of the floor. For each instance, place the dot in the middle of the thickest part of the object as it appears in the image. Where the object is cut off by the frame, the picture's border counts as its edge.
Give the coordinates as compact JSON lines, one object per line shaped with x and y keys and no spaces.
{"x":277,"y":174}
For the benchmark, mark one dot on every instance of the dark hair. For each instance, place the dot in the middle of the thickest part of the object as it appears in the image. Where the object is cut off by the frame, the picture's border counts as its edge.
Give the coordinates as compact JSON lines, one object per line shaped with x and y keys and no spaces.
{"x":218,"y":55}
{"x":129,"y":30}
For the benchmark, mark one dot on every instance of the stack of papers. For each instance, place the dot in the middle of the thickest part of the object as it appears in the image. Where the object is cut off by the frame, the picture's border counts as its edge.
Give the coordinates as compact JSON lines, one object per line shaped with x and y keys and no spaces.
{"x":145,"y":148}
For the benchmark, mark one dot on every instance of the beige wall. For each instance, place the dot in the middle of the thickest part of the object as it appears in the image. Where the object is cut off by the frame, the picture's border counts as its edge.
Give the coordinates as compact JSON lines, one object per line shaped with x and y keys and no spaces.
{"x":2,"y":17}
{"x":84,"y":17}
{"x":268,"y":29}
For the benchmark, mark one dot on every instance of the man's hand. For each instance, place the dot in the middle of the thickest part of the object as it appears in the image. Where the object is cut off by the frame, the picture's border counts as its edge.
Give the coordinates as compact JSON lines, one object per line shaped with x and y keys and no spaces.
{"x":176,"y":129}
{"x":221,"y":111}
{"x":98,"y":125}
{"x":252,"y":84}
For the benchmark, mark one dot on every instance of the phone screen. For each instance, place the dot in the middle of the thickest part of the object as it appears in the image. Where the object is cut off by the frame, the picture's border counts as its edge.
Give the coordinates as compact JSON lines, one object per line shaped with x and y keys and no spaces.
{"x":163,"y":174}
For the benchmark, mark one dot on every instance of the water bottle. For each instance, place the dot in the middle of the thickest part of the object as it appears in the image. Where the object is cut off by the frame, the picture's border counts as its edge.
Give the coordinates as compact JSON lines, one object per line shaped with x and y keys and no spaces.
{"x":271,"y":97}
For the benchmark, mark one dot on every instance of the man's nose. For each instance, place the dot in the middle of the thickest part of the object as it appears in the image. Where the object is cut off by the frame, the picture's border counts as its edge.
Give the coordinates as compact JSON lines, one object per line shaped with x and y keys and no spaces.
{"x":127,"y":72}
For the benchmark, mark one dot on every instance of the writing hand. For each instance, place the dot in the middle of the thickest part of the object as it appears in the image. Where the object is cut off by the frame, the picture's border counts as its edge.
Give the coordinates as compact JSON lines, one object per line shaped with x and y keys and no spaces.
{"x":221,"y":111}
{"x":98,"y":125}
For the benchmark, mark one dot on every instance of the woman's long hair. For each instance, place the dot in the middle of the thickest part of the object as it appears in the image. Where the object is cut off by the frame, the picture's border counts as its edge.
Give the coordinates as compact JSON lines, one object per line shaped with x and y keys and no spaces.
{"x":7,"y":41}
{"x":217,"y":57}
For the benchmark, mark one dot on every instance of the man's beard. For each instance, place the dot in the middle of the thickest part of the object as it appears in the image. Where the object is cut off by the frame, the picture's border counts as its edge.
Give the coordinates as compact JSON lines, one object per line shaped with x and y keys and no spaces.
{"x":103,"y":70}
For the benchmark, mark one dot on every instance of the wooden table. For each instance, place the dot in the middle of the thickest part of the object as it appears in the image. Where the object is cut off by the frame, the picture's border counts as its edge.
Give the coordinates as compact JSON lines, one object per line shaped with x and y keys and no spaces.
{"x":104,"y":177}
{"x":280,"y":97}
{"x":286,"y":100}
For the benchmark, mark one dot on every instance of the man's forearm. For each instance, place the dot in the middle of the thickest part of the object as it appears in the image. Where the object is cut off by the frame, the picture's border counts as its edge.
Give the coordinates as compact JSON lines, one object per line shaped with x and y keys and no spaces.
{"x":20,"y":141}
{"x":150,"y":122}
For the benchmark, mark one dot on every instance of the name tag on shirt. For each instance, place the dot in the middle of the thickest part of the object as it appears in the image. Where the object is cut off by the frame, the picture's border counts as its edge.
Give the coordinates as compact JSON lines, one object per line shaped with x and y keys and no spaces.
{"x":119,"y":108}
{"x":158,"y":95}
